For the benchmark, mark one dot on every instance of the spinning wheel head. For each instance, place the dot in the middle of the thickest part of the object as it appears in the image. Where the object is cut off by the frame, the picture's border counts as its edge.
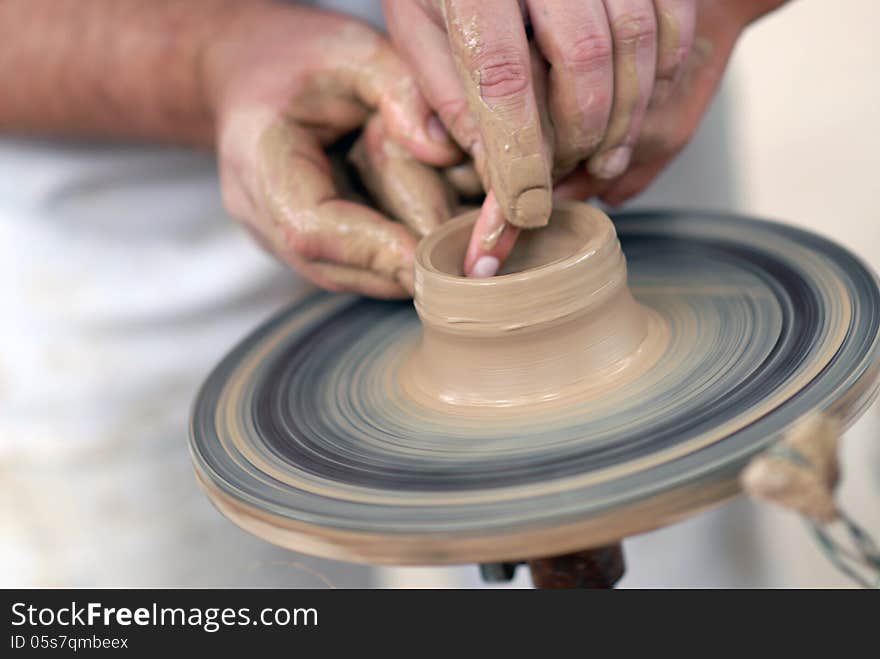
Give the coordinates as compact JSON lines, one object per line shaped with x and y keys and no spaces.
{"x":325,"y":430}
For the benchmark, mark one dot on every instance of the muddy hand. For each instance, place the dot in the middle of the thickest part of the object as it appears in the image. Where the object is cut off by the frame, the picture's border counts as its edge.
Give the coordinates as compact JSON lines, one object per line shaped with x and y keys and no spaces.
{"x":286,"y":82}
{"x":604,"y":60}
{"x":472,"y":61}
{"x":674,"y":116}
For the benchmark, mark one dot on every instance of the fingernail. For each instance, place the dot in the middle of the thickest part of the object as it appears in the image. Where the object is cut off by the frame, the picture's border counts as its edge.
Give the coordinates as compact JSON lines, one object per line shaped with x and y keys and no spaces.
{"x":611,"y":164}
{"x":486,"y":266}
{"x":532,"y":208}
{"x":437,"y":130}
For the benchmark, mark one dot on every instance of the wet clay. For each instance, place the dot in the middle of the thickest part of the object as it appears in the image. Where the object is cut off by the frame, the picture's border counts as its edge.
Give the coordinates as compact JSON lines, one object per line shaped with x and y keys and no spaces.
{"x":559,"y":320}
{"x":403,"y":187}
{"x":332,"y":240}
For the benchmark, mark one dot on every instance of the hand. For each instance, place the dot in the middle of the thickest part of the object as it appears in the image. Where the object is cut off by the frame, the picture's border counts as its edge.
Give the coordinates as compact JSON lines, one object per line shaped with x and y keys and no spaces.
{"x":286,"y":82}
{"x":672,"y":119}
{"x":590,"y":73}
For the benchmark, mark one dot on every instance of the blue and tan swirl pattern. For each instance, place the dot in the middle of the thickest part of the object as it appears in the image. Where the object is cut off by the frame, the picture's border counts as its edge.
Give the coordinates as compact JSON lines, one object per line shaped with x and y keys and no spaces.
{"x":305,"y":436}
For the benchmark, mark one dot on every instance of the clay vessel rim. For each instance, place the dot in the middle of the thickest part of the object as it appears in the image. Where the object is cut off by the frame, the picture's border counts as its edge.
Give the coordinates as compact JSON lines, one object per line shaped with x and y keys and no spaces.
{"x":592,"y":242}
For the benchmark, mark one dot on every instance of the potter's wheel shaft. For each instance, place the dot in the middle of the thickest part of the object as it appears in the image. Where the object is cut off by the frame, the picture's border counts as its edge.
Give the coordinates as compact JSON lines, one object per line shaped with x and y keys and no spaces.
{"x":593,"y":568}
{"x":602,"y":567}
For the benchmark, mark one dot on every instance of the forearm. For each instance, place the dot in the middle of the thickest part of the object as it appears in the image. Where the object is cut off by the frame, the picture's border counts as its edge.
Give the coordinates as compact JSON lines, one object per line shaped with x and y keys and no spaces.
{"x":109,"y":68}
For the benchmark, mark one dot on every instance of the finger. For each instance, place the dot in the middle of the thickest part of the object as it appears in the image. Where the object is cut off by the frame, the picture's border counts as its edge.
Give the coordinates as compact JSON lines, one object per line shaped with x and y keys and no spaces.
{"x":634,"y":34}
{"x":580,"y":185}
{"x":384,"y":82}
{"x":489,"y":46}
{"x":491,"y":241}
{"x":422,"y":41}
{"x":350,"y":234}
{"x":343,"y":279}
{"x":540,"y":71}
{"x":676,"y":26}
{"x":309,"y":224}
{"x":464,"y":179}
{"x":575,"y":39}
{"x":404,"y":187}
{"x":668,"y":128}
{"x":493,"y":236}
{"x":634,"y":181}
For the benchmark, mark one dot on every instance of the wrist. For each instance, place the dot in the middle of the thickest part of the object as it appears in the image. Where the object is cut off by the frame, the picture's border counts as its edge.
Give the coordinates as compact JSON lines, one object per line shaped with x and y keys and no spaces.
{"x":224,"y":62}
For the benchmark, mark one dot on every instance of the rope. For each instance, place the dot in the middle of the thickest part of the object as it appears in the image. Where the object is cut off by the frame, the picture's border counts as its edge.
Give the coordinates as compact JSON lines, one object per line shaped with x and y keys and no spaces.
{"x":800,"y":473}
{"x":861,"y":563}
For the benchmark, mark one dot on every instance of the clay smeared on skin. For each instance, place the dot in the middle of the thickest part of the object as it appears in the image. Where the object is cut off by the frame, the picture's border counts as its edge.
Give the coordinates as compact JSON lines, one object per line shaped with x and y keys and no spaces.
{"x":559,"y":323}
{"x":405,"y":188}
{"x":577,"y":126}
{"x":312,"y":228}
{"x":274,"y":130}
{"x":513,"y":161}
{"x":490,"y":240}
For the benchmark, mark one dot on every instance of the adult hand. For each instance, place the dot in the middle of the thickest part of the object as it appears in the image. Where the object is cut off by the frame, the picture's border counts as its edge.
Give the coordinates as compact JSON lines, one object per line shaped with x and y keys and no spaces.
{"x":599,"y":64}
{"x":286,"y":82}
{"x":673,"y":117}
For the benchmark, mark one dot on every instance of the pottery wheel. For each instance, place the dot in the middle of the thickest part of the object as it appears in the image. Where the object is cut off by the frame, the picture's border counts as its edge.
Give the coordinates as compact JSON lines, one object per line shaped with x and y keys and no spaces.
{"x":304,"y":436}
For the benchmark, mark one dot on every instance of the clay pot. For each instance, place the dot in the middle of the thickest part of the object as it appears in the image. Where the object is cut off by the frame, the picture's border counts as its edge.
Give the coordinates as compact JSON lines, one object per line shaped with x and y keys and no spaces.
{"x":558,"y":317}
